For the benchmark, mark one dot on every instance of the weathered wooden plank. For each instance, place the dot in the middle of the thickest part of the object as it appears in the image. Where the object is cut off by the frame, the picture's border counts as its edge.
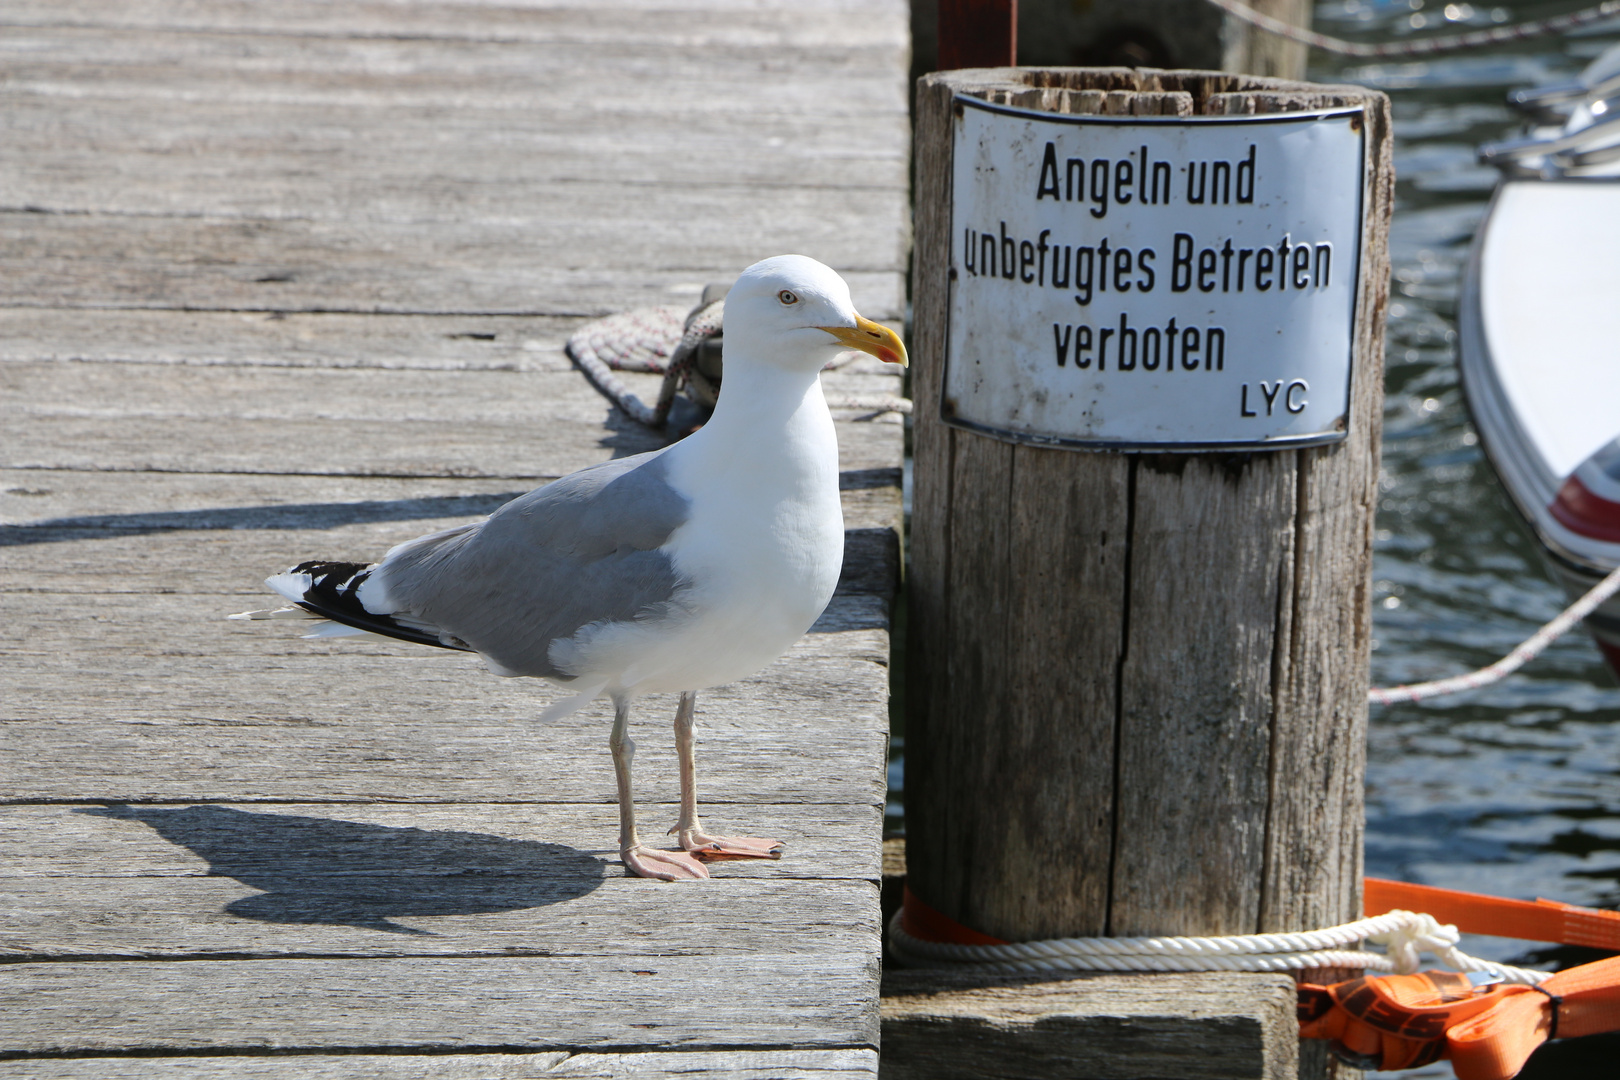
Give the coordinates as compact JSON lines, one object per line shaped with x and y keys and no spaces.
{"x":446,"y":913}
{"x":217,"y":881}
{"x":515,"y":1003}
{"x":537,"y":449}
{"x":491,"y":1066}
{"x":854,"y":1064}
{"x":488,"y":267}
{"x":767,"y":24}
{"x":159,"y":705}
{"x":375,"y":761}
{"x":1192,"y":862}
{"x":1245,"y":47}
{"x":164,"y":554}
{"x":299,"y":339}
{"x":347,"y":421}
{"x":244,"y":393}
{"x":230,"y":568}
{"x":112,"y":505}
{"x":211,"y":158}
{"x":858,"y":76}
{"x":309,"y":241}
{"x":731,"y":1064}
{"x":1017,"y":526}
{"x":295,"y":846}
{"x":1199,"y":1026}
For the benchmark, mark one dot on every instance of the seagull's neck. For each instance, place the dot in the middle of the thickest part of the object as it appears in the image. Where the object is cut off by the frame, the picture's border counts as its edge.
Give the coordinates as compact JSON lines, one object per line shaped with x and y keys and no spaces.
{"x":759,"y":400}
{"x":770,"y":420}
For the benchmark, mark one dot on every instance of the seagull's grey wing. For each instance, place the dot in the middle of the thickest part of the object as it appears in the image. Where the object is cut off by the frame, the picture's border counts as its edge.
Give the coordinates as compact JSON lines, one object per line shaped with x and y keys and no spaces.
{"x":580,"y":550}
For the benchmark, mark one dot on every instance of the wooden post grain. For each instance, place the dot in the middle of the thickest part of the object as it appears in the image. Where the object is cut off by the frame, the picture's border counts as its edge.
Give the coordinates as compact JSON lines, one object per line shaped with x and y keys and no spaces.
{"x":1137,"y":682}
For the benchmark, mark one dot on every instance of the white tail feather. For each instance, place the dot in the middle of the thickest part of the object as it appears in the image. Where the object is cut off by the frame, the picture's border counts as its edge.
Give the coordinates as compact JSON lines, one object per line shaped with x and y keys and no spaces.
{"x":559,"y":709}
{"x":276,"y":613}
{"x":292,"y":586}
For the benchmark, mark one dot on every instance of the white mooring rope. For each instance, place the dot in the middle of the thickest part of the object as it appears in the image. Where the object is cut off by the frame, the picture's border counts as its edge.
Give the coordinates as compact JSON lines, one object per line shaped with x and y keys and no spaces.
{"x":1428,"y":46}
{"x":1405,"y":935}
{"x":1529,"y":649}
{"x":664,"y":341}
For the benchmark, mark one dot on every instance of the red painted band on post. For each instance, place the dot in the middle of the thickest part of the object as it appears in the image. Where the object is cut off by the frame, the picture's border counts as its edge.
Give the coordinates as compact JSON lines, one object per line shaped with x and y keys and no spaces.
{"x":925,"y":924}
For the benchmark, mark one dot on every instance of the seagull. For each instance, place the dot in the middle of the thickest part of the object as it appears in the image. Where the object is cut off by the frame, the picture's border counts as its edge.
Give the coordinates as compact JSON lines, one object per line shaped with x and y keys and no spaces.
{"x":671,"y":571}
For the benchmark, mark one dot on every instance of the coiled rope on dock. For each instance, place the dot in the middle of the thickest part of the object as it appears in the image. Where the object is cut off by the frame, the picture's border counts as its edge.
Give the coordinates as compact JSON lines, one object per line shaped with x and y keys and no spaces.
{"x":665,"y":341}
{"x":1406,"y":935}
{"x":1530,"y":648}
{"x":1427,"y":46}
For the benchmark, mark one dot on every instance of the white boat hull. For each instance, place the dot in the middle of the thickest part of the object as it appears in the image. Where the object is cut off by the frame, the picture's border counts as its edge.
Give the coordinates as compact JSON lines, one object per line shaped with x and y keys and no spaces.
{"x":1539,"y":326}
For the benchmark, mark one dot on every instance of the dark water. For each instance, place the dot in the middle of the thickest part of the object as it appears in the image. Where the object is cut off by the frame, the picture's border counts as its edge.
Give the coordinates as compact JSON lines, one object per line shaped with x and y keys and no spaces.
{"x":1514,"y":789}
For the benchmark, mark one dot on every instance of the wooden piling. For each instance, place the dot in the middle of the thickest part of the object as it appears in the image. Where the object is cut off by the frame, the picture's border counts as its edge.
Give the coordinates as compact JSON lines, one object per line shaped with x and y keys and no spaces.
{"x":1137,"y":689}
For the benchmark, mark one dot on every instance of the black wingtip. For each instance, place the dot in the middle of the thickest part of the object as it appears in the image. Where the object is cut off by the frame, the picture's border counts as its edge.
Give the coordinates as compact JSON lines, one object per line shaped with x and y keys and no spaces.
{"x":334,"y":593}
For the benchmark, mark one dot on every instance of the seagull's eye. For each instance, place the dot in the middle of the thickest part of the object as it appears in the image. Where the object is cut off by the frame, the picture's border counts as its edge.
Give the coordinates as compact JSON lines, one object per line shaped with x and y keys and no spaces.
{"x":787,"y":297}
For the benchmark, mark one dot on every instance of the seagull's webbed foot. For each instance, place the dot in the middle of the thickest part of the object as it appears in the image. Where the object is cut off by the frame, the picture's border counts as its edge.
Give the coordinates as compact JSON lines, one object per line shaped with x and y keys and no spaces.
{"x":649,"y":862}
{"x":704,"y":846}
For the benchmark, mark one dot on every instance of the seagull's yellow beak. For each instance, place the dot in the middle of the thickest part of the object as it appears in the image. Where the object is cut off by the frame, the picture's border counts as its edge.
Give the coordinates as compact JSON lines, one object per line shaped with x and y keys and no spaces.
{"x":871,"y":337}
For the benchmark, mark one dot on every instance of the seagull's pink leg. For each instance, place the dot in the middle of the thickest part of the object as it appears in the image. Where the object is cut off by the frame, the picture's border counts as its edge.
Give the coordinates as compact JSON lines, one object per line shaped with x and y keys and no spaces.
{"x":693,"y":838}
{"x":639,"y":858}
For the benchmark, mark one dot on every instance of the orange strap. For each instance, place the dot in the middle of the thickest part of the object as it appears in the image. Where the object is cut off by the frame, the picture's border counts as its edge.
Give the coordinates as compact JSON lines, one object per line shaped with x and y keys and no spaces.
{"x":1539,"y":920}
{"x":1393,"y":1022}
{"x":1495,"y":1044}
{"x":1403,"y":1021}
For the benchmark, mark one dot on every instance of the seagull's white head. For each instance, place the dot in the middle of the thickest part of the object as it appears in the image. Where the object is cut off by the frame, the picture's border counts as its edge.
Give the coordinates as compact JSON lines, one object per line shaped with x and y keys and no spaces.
{"x":795,"y":311}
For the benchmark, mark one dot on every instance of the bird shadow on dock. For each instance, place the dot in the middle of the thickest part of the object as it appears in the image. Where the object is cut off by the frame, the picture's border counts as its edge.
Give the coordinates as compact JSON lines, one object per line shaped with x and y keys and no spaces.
{"x":345,"y":873}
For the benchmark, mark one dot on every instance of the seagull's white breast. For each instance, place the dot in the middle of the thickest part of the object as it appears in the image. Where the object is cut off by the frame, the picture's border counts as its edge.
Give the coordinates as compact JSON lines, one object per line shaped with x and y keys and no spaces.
{"x":761,"y":551}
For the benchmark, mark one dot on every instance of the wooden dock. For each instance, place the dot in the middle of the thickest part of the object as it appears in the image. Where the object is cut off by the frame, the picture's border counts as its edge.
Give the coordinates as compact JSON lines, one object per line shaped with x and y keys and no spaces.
{"x":287,"y":281}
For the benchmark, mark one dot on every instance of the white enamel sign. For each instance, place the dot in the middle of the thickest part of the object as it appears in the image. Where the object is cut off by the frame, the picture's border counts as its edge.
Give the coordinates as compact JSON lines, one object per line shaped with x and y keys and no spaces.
{"x":1143,"y":283}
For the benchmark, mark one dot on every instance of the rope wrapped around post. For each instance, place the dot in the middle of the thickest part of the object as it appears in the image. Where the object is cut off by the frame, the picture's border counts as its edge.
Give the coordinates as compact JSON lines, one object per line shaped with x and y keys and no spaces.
{"x":1405,"y":934}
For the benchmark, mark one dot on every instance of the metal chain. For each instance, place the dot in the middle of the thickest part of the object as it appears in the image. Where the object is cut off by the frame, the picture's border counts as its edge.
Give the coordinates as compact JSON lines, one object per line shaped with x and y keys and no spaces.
{"x":1428,"y":46}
